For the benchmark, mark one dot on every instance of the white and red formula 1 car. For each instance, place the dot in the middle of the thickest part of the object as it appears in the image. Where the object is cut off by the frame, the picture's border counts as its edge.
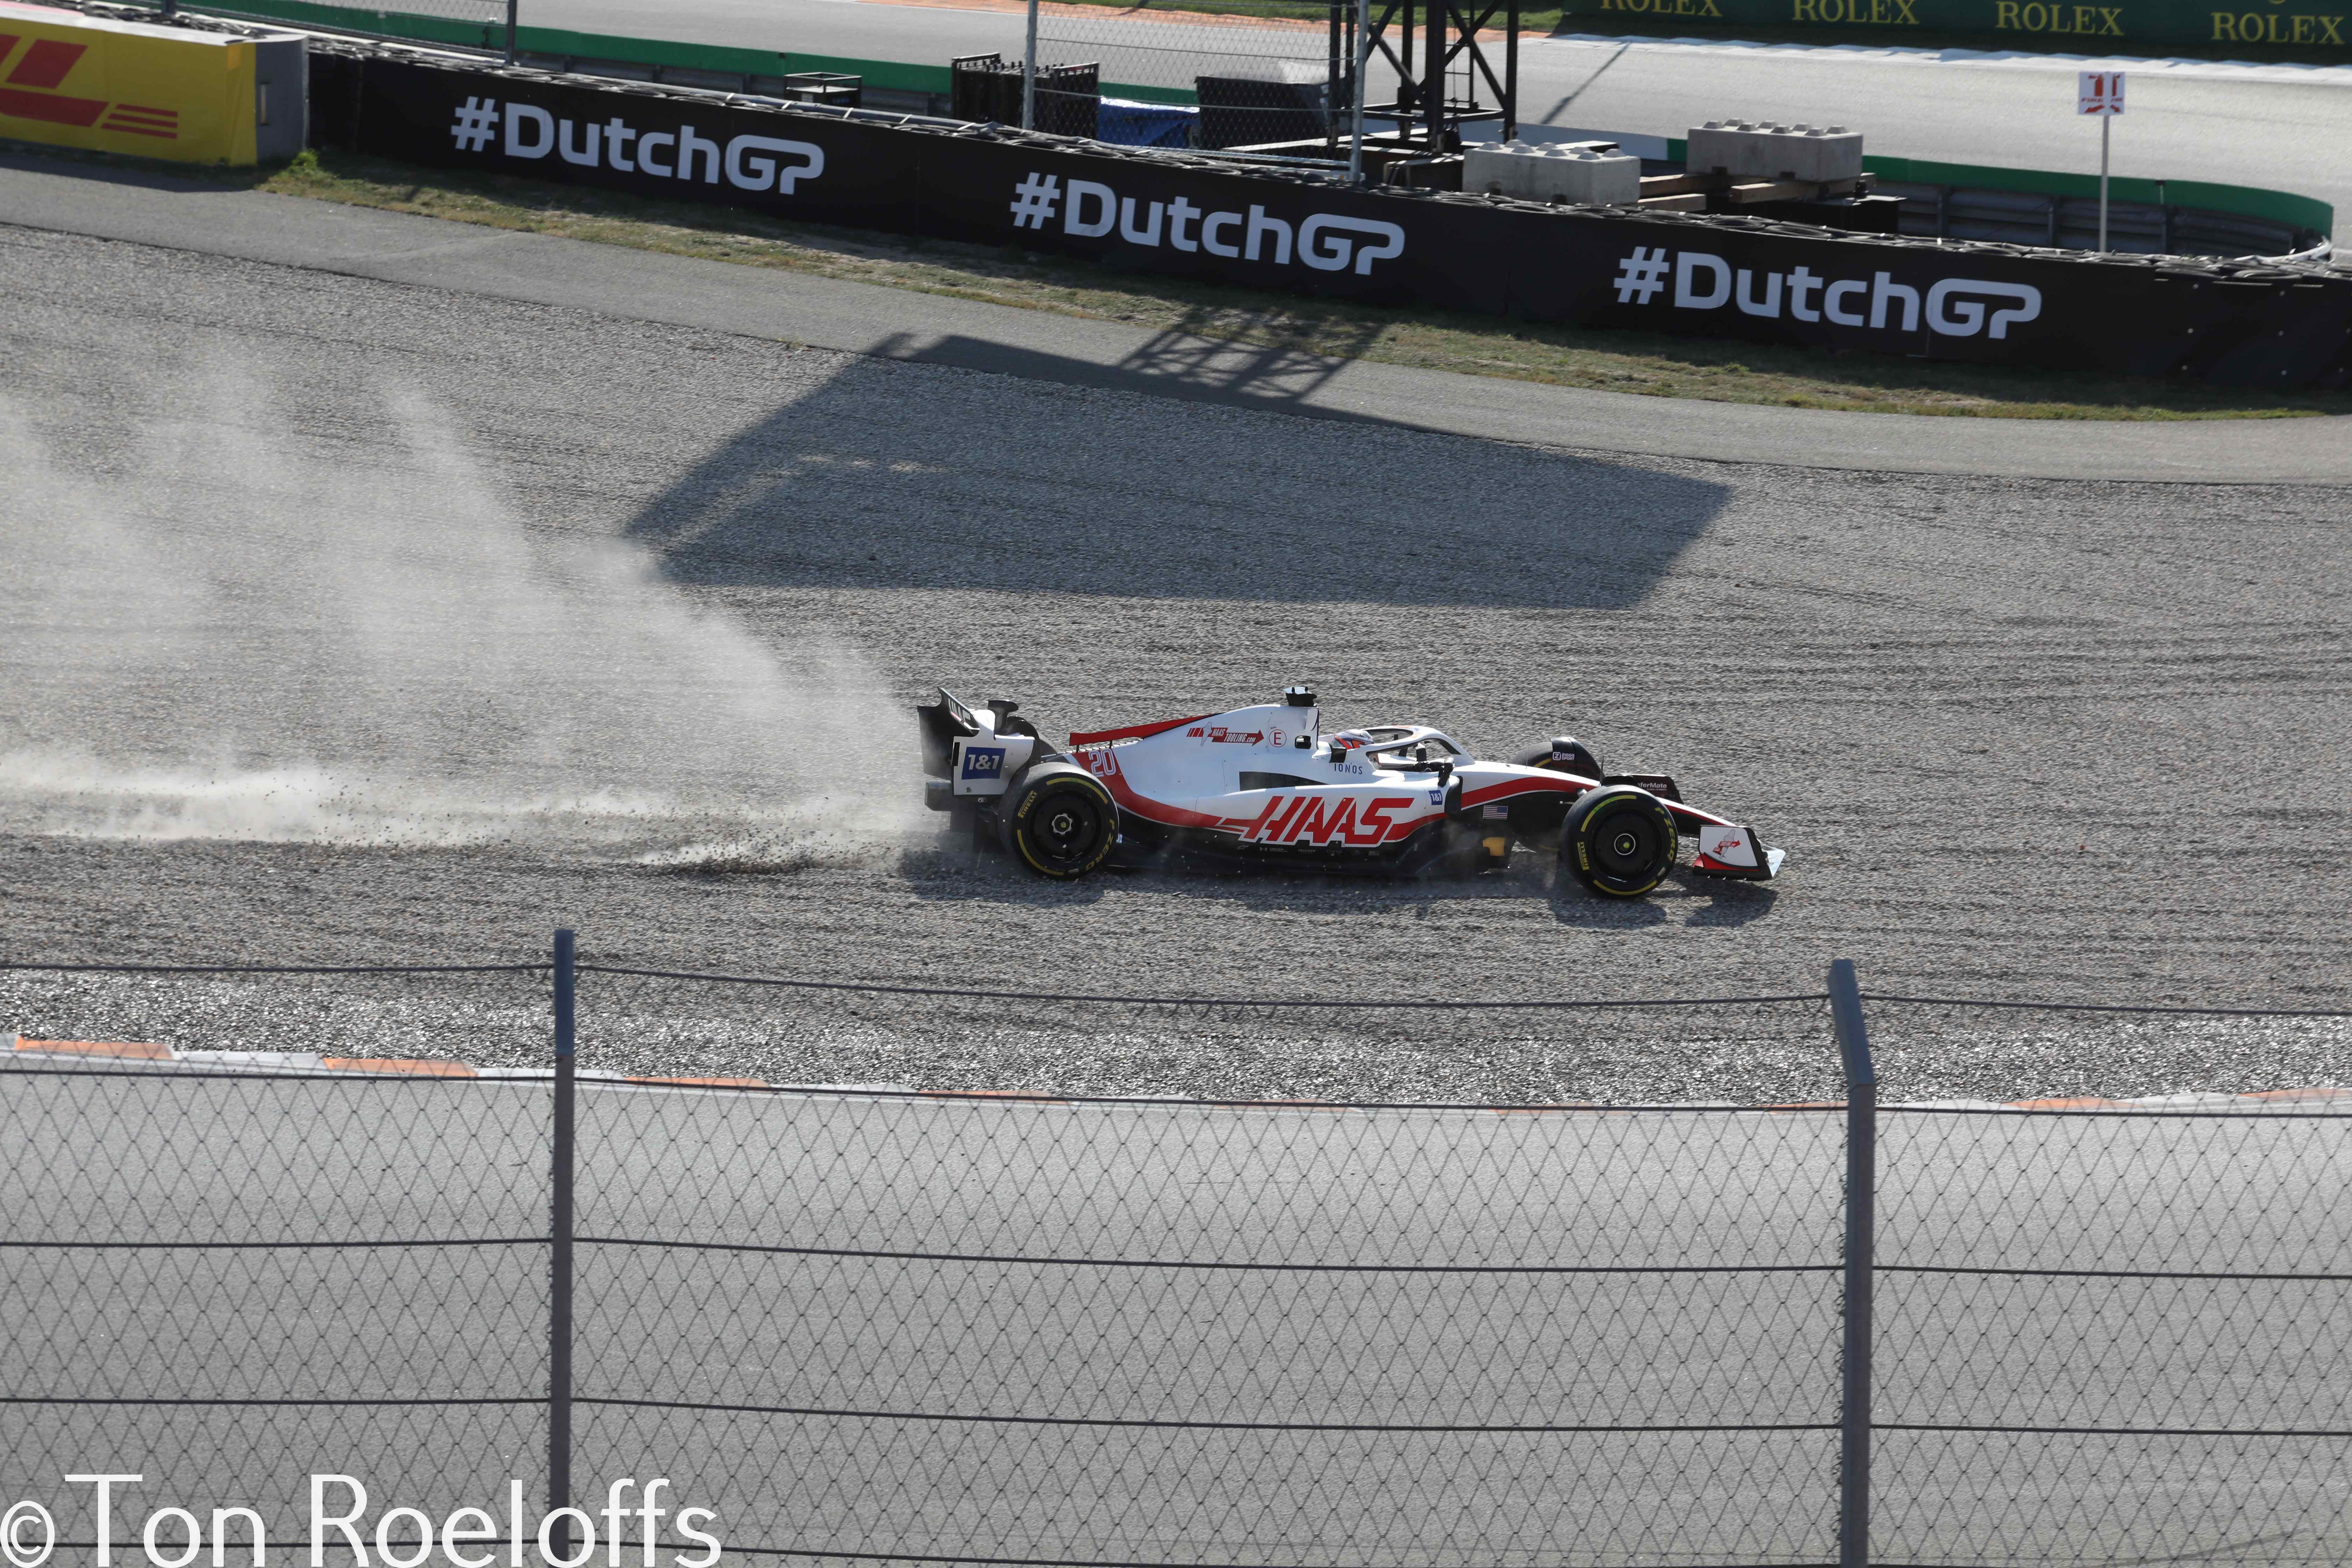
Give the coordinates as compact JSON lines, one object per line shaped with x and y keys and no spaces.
{"x":1264,"y":785}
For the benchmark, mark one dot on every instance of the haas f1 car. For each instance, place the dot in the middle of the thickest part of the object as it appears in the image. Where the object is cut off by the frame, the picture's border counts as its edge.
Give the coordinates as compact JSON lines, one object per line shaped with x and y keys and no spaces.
{"x":1264,"y":785}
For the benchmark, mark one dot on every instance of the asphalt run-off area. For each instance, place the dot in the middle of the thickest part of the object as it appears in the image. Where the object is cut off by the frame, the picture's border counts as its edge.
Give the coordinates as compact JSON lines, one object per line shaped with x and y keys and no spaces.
{"x":2274,"y":125}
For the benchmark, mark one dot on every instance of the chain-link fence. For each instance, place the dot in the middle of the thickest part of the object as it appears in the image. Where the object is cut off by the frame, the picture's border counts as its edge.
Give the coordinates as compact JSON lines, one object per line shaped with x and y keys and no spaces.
{"x":482,"y":25}
{"x":1250,"y":79}
{"x":894,"y":1325}
{"x":1278,"y":79}
{"x":1265,"y":78}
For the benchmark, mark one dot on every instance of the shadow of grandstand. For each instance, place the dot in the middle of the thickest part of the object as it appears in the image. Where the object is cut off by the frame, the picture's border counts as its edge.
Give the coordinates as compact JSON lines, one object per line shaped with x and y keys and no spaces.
{"x":1189,"y":360}
{"x":889,"y":476}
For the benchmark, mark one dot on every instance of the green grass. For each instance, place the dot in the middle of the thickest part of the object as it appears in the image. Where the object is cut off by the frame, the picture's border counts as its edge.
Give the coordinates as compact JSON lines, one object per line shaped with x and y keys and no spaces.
{"x":1653,"y":364}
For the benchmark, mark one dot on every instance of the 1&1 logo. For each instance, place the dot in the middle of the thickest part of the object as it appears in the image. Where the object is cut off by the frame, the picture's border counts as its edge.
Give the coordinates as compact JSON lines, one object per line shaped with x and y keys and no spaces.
{"x":984,"y":762}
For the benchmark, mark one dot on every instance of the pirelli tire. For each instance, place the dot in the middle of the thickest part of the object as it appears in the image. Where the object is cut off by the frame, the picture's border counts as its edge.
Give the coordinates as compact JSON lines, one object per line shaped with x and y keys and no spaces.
{"x":1619,"y":841}
{"x":1059,"y":820}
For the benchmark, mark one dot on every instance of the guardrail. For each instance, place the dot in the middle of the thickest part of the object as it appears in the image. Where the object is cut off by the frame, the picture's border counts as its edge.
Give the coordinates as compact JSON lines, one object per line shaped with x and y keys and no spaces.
{"x":956,"y":1327}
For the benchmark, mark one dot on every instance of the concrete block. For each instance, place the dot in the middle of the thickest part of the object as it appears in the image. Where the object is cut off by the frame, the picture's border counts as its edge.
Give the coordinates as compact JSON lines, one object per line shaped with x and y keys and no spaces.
{"x":1585,"y":173}
{"x":282,"y":96}
{"x":1767,"y":149}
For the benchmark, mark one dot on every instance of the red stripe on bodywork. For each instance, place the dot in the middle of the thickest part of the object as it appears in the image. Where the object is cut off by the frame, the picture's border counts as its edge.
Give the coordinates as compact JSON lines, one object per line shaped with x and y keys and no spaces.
{"x":1510,"y":788}
{"x":47,"y":62}
{"x":50,"y":107}
{"x":1684,"y":815}
{"x":1132,"y":732}
{"x":8,"y":42}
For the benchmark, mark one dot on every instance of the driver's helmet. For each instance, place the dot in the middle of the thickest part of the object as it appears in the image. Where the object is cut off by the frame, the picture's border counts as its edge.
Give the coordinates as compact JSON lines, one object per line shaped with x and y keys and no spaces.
{"x":1352,"y":740}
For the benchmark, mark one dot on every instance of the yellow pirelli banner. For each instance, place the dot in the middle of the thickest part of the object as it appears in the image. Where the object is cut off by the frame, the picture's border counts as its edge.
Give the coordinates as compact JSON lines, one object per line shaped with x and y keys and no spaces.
{"x":156,"y":92}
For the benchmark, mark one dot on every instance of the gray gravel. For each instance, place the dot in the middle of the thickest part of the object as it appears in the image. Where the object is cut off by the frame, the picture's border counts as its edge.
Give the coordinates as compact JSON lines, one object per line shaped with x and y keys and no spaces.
{"x":333,"y":660}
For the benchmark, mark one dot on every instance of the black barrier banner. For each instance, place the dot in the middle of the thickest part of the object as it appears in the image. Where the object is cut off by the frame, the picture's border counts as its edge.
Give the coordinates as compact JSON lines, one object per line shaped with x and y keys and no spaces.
{"x":669,"y":146}
{"x":1717,"y":276}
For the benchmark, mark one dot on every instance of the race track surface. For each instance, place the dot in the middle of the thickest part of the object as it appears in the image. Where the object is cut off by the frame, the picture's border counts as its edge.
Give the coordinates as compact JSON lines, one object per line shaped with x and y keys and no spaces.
{"x":894,"y":1299}
{"x":369,"y":622}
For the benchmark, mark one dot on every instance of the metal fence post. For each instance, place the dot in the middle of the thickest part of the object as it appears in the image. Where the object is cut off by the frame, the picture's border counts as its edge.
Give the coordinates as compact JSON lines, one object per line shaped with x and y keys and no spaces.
{"x":511,"y":6}
{"x":559,"y":1297}
{"x":1356,"y":104}
{"x":1029,"y":74}
{"x":1861,"y":1262}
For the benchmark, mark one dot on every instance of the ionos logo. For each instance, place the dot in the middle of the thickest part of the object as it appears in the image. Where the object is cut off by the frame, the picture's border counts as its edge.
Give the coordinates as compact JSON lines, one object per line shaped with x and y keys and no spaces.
{"x":1327,"y":242}
{"x":750,"y":162}
{"x":1956,"y":307}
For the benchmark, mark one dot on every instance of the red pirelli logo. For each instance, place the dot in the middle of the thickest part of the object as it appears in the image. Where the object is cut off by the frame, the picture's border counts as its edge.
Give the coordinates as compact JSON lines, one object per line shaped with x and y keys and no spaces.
{"x":28,"y":92}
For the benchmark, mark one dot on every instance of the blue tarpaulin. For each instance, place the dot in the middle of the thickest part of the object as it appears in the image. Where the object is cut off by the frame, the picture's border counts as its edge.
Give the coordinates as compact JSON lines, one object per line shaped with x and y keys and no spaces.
{"x":1133,"y":124}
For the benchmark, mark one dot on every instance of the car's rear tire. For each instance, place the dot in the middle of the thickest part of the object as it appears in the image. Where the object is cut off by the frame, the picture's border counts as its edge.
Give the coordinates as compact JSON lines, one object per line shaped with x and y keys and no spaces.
{"x":1619,"y":841}
{"x":1059,"y":820}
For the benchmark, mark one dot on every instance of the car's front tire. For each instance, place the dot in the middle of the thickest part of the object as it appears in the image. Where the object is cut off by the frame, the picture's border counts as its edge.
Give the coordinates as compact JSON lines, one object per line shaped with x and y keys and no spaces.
{"x":1619,"y":841}
{"x":1059,"y":820}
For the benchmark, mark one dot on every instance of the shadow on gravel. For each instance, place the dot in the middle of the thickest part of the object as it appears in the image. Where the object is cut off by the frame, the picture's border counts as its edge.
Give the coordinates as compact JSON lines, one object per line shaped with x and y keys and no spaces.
{"x":1572,"y":906}
{"x":887,"y":477}
{"x":953,"y":877}
{"x":1728,"y":903}
{"x":1685,"y":899}
{"x":944,"y":874}
{"x":1181,"y":362}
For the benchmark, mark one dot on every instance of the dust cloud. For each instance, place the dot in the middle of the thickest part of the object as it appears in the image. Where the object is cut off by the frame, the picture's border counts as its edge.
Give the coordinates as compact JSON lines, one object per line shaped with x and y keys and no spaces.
{"x":223,"y":630}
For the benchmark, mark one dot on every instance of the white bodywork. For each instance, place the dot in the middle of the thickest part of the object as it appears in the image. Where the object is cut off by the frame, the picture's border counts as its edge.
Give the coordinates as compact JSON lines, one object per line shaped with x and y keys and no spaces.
{"x":1267,"y":780}
{"x":1268,"y":776}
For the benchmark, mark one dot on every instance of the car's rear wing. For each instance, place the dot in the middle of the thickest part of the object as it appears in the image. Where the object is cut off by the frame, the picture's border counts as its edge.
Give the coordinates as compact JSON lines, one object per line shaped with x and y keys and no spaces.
{"x":944,"y":722}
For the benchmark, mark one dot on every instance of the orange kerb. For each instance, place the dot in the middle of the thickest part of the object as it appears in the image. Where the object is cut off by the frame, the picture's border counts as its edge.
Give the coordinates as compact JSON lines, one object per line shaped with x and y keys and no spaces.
{"x":144,"y":1052}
